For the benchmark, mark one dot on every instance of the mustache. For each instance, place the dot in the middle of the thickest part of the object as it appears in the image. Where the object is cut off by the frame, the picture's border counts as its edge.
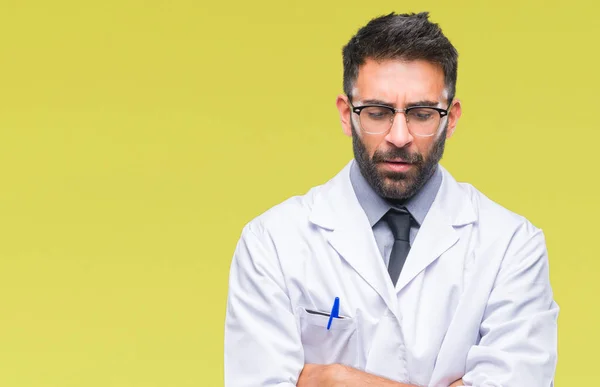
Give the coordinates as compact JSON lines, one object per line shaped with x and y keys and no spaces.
{"x":397,"y":153}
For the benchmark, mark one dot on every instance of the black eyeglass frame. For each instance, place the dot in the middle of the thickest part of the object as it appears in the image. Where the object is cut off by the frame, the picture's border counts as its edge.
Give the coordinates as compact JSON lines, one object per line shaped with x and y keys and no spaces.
{"x":443,"y":112}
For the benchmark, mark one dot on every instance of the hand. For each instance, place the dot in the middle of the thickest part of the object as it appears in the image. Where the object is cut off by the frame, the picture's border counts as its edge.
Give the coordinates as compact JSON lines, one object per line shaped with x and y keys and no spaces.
{"x":316,"y":375}
{"x":459,"y":382}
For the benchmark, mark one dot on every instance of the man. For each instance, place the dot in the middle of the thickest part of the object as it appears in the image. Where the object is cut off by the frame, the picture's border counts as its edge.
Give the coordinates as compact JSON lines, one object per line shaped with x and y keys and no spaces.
{"x":392,"y":273}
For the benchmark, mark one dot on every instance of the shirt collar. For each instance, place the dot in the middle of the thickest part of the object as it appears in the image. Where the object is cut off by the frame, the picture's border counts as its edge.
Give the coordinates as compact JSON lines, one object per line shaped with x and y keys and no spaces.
{"x":375,"y":206}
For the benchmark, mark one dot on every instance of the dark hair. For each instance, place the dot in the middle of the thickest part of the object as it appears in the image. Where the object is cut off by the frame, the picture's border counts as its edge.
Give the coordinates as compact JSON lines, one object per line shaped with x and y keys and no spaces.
{"x":400,"y":36}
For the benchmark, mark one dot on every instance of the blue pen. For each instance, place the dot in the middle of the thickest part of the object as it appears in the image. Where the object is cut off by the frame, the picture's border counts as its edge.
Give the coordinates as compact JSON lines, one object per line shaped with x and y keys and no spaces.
{"x":335,"y":312}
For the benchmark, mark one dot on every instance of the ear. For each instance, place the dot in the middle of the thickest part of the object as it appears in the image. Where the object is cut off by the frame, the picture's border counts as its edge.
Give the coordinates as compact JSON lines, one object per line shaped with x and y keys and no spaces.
{"x":453,"y":117}
{"x":345,"y":114}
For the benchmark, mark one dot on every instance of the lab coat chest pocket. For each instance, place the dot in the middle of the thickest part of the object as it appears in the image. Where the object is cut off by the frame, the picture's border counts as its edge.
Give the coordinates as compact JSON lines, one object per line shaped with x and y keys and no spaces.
{"x":339,"y":344}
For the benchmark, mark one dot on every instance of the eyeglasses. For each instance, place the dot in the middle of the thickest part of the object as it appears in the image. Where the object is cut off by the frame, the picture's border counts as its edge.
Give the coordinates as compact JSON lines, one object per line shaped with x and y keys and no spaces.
{"x":422,"y":121}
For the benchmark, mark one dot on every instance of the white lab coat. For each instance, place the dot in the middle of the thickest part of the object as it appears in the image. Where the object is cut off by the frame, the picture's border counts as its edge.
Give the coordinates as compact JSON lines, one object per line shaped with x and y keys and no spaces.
{"x":473,"y":300}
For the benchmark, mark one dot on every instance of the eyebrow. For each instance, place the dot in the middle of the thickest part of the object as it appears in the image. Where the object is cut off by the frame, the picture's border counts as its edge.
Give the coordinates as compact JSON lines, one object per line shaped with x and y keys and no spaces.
{"x":410,"y":104}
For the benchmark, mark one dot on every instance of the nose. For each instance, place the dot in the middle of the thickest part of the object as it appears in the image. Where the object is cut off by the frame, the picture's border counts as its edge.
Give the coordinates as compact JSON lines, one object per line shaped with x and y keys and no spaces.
{"x":399,"y":135}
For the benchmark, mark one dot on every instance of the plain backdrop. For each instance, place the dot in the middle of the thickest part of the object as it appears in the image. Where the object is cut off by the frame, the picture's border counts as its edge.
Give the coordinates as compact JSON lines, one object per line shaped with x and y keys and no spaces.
{"x":138,"y":137}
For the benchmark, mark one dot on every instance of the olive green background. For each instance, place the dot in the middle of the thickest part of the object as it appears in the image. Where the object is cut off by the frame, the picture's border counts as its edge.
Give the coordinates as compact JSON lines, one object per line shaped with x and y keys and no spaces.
{"x":138,"y":137}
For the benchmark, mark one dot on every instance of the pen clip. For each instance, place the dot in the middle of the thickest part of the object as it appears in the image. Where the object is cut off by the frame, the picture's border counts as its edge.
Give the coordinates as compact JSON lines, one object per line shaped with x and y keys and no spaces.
{"x":335,"y":312}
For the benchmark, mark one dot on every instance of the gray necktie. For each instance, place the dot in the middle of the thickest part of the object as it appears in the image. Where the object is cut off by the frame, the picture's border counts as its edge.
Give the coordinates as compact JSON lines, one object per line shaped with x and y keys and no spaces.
{"x":399,"y":222}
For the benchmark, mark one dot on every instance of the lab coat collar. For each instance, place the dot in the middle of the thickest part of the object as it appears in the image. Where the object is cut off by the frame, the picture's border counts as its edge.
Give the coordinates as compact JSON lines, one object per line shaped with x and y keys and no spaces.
{"x":450,"y":210}
{"x":337,"y":210}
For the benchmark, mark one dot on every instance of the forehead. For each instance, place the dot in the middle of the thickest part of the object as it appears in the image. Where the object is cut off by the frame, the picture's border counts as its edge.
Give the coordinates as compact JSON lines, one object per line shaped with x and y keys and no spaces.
{"x":399,"y":81}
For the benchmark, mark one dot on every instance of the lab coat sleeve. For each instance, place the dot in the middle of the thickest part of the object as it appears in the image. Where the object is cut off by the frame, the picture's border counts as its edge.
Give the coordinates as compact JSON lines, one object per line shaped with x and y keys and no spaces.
{"x":262,"y":341}
{"x":519,"y":327}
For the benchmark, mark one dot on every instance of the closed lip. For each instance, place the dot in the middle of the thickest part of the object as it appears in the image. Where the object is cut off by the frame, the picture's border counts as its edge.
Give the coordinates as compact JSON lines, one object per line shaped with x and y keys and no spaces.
{"x":397,"y":161}
{"x":397,"y":165}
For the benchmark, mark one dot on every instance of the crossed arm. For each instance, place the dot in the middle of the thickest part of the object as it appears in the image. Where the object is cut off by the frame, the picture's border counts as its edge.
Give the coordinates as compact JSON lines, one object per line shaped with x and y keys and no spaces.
{"x":336,"y":375}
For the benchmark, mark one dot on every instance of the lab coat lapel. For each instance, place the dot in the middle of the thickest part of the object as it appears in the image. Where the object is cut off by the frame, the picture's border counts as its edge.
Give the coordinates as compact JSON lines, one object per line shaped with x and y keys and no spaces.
{"x":337,"y":210}
{"x":437,"y":234}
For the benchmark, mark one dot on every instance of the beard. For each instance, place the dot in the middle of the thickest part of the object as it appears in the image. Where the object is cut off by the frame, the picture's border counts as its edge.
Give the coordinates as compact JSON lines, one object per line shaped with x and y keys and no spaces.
{"x":397,"y":186}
